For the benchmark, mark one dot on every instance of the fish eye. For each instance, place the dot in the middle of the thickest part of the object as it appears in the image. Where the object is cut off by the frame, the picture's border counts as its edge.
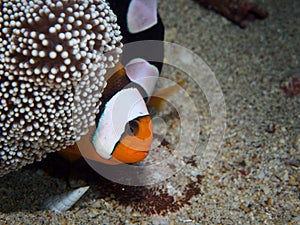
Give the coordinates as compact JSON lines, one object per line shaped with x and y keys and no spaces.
{"x":132,"y":128}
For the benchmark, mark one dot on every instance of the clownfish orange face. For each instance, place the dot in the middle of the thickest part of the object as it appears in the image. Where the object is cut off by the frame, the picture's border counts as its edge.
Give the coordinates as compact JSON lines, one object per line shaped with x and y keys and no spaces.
{"x":135,"y":142}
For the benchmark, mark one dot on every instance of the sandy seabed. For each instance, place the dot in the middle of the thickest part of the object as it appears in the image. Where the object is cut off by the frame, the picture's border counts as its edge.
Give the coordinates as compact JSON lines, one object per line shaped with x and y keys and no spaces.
{"x":254,"y":176}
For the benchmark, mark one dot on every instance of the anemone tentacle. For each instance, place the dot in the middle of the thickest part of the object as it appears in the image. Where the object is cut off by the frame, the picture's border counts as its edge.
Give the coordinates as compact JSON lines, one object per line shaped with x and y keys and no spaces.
{"x":53,"y":57}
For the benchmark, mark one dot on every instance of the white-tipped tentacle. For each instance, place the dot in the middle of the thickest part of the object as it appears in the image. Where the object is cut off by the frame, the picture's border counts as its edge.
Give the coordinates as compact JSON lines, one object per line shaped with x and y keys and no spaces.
{"x":65,"y":201}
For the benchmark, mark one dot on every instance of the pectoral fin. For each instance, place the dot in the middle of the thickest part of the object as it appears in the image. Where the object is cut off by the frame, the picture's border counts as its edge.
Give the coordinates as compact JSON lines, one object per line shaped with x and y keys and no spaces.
{"x":159,"y":97}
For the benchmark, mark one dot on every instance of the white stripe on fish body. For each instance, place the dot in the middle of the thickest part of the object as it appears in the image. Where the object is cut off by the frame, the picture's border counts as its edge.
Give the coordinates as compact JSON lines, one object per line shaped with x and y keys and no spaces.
{"x":126,"y":105}
{"x":141,"y":15}
{"x":142,"y":73}
{"x":65,"y":201}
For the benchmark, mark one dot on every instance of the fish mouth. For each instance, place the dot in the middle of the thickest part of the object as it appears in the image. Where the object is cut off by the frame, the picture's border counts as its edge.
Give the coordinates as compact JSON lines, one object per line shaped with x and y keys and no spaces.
{"x":136,"y":156}
{"x":141,"y":155}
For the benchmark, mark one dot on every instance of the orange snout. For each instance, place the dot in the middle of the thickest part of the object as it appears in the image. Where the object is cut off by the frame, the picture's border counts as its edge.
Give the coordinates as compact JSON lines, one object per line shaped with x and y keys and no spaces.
{"x":136,"y":141}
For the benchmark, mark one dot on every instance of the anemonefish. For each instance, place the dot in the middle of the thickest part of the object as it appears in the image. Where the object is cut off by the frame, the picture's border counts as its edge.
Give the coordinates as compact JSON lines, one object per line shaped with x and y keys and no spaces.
{"x":124,"y":128}
{"x":123,"y":131}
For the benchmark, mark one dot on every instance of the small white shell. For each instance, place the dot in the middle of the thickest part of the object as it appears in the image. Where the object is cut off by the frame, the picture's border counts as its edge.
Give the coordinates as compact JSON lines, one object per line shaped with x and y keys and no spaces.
{"x":65,"y":201}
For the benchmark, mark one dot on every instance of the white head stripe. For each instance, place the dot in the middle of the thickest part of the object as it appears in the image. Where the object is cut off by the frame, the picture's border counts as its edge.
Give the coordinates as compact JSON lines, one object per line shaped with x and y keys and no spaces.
{"x":143,"y":73}
{"x":124,"y":106}
{"x":141,"y":15}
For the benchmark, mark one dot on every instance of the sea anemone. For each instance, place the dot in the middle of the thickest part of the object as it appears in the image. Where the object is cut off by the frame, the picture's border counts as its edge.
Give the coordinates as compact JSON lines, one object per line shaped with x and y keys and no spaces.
{"x":53,"y":57}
